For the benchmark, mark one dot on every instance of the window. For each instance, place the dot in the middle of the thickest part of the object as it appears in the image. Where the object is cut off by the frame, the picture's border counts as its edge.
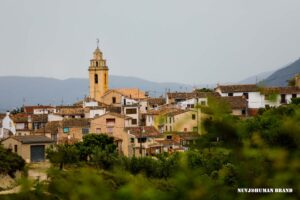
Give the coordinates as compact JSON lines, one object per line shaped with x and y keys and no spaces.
{"x":244,"y":112}
{"x":170,"y":128}
{"x":114,"y":100}
{"x":246,"y":95}
{"x":132,"y":140}
{"x":142,"y":140}
{"x":193,"y":116}
{"x":203,"y":103}
{"x":131,"y":111}
{"x":110,"y":129}
{"x":16,"y":148}
{"x":66,"y":130}
{"x":105,"y":79}
{"x":294,"y":95}
{"x":230,"y":94}
{"x":98,"y":130}
{"x":110,"y":122}
{"x":96,"y":63}
{"x":166,"y":128}
{"x":185,"y":129}
{"x":267,"y":106}
{"x":170,"y":120}
{"x":169,"y":137}
{"x":134,"y":121}
{"x":192,"y":106}
{"x":85,"y":131}
{"x":96,"y":78}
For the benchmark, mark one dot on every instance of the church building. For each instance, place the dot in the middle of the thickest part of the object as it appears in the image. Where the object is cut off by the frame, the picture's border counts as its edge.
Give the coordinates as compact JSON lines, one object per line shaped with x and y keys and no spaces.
{"x":99,"y":84}
{"x":98,"y":75}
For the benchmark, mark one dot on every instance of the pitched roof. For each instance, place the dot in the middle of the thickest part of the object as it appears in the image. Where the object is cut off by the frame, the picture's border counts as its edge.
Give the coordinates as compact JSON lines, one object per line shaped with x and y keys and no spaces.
{"x":30,"y":109}
{"x":32,"y":139}
{"x":133,"y":93}
{"x":115,"y":115}
{"x":89,"y":99}
{"x":190,"y":95}
{"x":177,"y":112}
{"x":156,"y":101}
{"x":145,"y":131}
{"x":71,"y":111}
{"x":76,"y":122}
{"x":236,"y":102}
{"x":51,"y":127}
{"x":238,"y":88}
{"x":163,"y":111}
{"x":24,"y":117}
{"x":280,"y":90}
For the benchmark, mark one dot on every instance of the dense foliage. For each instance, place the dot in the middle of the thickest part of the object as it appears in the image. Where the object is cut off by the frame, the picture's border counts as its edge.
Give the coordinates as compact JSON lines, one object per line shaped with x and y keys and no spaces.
{"x":10,"y":162}
{"x":258,"y":152}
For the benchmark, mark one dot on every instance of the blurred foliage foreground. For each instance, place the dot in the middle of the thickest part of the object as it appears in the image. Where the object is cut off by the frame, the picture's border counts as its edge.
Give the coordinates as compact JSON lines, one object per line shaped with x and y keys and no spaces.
{"x":258,"y":152}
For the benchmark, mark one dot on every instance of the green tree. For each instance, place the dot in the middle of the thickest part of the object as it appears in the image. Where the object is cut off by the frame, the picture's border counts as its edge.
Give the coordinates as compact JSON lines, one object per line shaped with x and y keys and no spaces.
{"x":92,"y":141}
{"x":63,"y":154}
{"x":10,"y":162}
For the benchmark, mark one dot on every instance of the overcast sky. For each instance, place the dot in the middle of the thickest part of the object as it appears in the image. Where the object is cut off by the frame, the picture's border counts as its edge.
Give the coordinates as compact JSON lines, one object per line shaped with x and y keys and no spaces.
{"x":188,"y":41}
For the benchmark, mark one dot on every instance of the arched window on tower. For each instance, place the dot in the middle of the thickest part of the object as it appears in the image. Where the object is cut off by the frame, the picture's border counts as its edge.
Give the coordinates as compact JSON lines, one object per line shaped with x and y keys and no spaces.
{"x":105,"y":81}
{"x":96,"y":78}
{"x":96,"y":63}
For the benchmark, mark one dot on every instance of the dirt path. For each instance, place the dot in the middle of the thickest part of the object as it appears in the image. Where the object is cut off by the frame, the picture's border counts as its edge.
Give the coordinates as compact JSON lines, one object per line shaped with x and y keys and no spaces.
{"x":36,"y":171}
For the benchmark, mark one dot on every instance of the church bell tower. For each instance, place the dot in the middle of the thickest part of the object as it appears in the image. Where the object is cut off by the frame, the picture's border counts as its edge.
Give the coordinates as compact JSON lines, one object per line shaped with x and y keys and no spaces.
{"x":98,"y":75}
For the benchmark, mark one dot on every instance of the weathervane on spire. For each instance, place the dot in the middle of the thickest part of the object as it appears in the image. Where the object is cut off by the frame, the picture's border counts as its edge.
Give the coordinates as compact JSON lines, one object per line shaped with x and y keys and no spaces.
{"x":97,"y":42}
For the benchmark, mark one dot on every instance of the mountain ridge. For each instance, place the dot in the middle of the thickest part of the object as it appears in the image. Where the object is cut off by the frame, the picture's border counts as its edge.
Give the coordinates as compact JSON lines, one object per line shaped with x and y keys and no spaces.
{"x":18,"y":90}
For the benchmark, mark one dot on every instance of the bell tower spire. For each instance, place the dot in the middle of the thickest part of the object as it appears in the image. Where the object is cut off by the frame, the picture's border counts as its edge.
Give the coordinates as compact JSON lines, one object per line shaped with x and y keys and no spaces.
{"x":98,"y":74}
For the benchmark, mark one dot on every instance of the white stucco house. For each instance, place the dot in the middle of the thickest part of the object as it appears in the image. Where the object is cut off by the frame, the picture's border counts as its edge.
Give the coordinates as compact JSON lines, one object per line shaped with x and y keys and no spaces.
{"x":260,"y":97}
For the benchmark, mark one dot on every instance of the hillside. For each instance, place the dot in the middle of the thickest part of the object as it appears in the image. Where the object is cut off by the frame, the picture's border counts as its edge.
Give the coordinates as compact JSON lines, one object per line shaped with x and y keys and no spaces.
{"x":16,"y":91}
{"x":256,"y":78}
{"x":281,"y":76}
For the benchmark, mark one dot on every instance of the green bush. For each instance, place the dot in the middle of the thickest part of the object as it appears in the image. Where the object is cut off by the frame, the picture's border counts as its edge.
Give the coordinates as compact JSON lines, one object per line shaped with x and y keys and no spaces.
{"x":10,"y":162}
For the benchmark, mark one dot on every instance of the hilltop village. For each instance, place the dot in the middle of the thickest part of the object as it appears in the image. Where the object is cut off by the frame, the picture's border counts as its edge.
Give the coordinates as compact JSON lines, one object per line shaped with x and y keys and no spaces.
{"x":141,"y":125}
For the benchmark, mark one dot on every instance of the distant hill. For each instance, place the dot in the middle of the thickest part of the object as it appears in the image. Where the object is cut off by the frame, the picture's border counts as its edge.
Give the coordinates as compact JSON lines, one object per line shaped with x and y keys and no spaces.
{"x":281,"y":76}
{"x":15,"y":91}
{"x":256,"y":78}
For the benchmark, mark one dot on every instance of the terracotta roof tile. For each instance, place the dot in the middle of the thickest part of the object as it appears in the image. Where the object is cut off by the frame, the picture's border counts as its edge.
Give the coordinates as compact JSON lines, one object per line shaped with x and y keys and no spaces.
{"x":236,"y":102}
{"x":280,"y":90}
{"x":29,"y":109}
{"x":191,"y":95}
{"x":24,"y":117}
{"x":76,"y":123}
{"x":156,"y":101}
{"x":148,"y":131}
{"x":30,"y":139}
{"x":238,"y":88}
